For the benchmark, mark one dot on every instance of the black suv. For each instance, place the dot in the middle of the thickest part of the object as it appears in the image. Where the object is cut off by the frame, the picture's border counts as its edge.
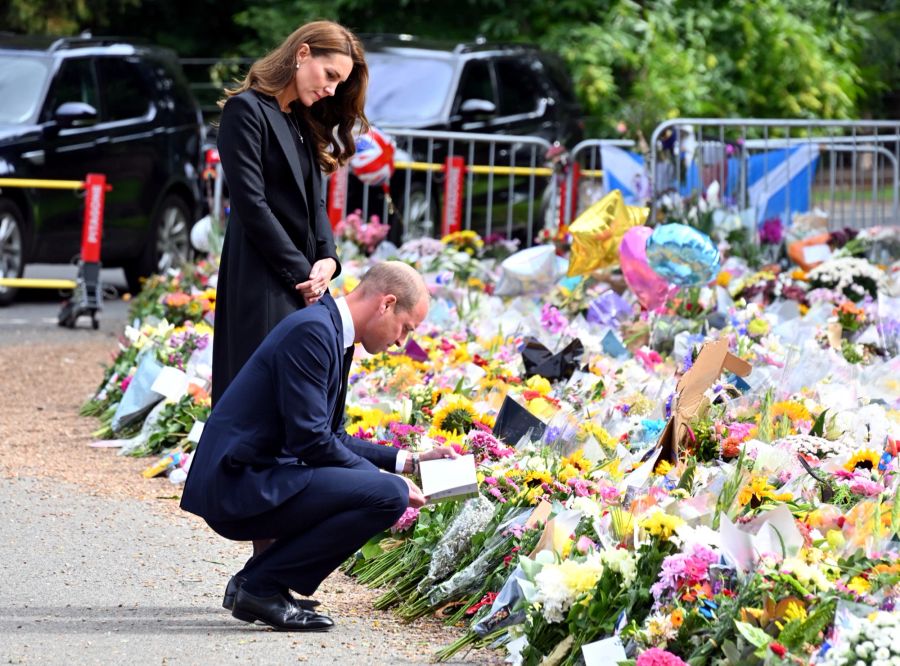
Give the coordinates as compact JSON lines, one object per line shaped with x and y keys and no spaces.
{"x":512,"y":89}
{"x":73,"y":106}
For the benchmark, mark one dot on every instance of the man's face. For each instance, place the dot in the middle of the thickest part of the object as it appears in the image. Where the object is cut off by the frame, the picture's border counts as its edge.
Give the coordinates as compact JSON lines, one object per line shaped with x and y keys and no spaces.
{"x":390,"y":326}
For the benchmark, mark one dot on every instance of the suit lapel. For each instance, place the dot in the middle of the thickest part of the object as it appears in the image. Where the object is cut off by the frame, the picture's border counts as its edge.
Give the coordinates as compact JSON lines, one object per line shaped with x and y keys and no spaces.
{"x":285,"y":138}
{"x":346,"y":356}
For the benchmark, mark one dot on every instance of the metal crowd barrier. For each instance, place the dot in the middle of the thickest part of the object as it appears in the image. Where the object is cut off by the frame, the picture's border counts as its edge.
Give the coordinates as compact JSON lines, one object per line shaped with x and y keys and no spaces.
{"x":584,"y":177}
{"x":460,"y":180}
{"x":848,"y":169}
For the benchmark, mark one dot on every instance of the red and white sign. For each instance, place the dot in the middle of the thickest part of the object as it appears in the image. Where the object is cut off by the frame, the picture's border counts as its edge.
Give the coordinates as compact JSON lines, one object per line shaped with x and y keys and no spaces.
{"x":454,"y":169}
{"x":92,"y":231}
{"x":337,"y":196}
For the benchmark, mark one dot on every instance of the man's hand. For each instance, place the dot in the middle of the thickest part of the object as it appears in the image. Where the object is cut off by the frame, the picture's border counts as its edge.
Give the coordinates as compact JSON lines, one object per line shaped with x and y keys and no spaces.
{"x":439,"y":452}
{"x":416,"y":498}
{"x":319,"y":277}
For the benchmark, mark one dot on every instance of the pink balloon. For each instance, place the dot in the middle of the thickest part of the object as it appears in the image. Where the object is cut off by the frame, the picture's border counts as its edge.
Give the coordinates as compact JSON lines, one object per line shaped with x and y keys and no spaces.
{"x":651,"y":290}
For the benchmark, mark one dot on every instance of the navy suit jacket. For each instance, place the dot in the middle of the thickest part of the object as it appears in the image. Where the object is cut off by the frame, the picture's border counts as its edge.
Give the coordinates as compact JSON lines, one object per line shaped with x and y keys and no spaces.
{"x":275,"y":423}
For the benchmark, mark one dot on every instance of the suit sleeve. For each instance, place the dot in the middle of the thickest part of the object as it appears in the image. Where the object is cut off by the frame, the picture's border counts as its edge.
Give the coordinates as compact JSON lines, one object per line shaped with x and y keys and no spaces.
{"x":384,"y":457}
{"x":240,"y":148}
{"x":302,"y":366}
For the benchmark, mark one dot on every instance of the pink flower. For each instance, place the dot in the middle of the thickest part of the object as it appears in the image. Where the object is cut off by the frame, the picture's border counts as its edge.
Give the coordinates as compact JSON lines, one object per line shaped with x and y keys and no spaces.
{"x":406,"y":521}
{"x":584,"y":544}
{"x":657,"y":657}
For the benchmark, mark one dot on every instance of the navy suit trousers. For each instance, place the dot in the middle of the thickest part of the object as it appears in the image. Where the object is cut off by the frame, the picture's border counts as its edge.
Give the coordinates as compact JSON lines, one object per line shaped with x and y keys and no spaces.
{"x":318,"y":528}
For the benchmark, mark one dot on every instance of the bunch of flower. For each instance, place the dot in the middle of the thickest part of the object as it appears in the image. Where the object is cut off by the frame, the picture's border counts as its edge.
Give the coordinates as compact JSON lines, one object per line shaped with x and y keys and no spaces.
{"x":366,"y":236}
{"x":852,"y":277}
{"x":874,"y":641}
{"x":684,"y":574}
{"x":466,"y":241}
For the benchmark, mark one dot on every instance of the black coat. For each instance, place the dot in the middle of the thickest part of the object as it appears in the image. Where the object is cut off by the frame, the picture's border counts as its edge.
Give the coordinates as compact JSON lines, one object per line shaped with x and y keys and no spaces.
{"x":270,"y":241}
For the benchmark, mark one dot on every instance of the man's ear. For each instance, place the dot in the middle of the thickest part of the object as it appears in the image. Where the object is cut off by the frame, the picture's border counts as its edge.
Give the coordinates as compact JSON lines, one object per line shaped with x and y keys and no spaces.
{"x":388,"y":301}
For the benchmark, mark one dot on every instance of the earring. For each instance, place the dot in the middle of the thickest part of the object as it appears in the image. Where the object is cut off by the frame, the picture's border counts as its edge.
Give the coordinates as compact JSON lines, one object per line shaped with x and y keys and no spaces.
{"x":297,"y":66}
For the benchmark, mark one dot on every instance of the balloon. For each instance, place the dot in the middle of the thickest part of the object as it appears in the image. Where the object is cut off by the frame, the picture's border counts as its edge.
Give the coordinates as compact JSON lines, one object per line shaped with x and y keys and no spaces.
{"x":373,"y":161}
{"x":682,"y":255}
{"x":650,"y":289}
{"x":597,"y":232}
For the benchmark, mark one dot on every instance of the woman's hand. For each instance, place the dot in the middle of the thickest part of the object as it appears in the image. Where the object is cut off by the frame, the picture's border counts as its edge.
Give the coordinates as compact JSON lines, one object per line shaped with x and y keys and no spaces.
{"x":319,"y":277}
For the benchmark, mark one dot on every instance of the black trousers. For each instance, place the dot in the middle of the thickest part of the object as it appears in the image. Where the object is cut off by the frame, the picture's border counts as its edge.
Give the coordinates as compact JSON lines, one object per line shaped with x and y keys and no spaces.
{"x":318,"y":528}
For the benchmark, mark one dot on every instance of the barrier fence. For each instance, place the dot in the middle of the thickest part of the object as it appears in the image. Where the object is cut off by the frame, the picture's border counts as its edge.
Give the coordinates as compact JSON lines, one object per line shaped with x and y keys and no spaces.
{"x":847,"y":169}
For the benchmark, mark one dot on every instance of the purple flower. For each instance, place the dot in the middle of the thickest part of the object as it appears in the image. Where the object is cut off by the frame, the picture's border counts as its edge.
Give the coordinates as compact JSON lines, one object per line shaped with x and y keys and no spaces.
{"x":771,"y":232}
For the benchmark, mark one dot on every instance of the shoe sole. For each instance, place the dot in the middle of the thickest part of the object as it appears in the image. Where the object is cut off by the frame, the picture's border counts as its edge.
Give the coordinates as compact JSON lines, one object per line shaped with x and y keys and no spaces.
{"x":244,"y":616}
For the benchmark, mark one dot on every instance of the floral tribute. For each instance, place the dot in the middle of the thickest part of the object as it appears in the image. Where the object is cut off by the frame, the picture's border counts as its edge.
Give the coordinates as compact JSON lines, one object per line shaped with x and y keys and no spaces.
{"x":773,"y":537}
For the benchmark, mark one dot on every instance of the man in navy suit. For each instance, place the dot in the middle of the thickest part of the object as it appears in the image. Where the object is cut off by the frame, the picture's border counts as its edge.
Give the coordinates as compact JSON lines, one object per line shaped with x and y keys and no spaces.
{"x":274,"y":461}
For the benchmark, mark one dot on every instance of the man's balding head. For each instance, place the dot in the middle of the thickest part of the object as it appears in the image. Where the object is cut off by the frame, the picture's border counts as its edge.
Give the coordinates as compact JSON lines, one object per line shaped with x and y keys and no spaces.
{"x":397,"y":278}
{"x":389,"y":303}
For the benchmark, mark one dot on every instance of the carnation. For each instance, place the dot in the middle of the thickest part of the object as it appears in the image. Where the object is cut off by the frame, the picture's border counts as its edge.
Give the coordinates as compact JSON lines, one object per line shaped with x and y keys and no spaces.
{"x":658,"y":657}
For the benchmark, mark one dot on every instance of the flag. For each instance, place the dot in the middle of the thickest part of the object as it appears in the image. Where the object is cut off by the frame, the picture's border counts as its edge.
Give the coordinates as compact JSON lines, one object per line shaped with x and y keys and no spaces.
{"x":625,"y":171}
{"x":779,"y":182}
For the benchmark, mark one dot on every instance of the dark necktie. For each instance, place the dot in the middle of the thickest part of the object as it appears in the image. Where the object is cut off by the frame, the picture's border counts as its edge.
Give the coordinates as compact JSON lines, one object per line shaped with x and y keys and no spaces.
{"x":342,"y":395}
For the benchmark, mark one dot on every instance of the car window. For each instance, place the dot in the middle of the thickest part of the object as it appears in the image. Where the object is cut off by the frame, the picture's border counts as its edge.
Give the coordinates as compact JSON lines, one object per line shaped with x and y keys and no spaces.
{"x":125,"y":91}
{"x":404,"y":89}
{"x":560,"y":78}
{"x":22,"y":80}
{"x":74,"y":82}
{"x":519,"y":90}
{"x":476,"y":83}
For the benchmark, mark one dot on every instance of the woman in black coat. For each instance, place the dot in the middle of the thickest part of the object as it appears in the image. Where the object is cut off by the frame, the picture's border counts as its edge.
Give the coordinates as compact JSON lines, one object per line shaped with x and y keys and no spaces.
{"x":290,"y":120}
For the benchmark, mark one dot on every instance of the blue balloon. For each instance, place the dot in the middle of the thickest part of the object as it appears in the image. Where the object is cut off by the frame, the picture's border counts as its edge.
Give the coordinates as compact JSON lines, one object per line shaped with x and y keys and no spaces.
{"x":682,"y":255}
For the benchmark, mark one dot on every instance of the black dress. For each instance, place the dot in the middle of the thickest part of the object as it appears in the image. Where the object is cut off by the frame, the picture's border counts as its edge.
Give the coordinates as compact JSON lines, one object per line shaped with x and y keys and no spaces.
{"x":277,"y":228}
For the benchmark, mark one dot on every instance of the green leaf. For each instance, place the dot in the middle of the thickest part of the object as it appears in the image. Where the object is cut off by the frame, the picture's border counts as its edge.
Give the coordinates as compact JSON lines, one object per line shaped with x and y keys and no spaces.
{"x":818,"y":428}
{"x":370,"y":550}
{"x":756,"y":636}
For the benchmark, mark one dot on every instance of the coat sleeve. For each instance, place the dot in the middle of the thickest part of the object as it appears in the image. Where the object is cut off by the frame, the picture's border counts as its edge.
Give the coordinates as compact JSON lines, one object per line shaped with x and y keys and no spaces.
{"x":301,"y":368}
{"x":240,"y":148}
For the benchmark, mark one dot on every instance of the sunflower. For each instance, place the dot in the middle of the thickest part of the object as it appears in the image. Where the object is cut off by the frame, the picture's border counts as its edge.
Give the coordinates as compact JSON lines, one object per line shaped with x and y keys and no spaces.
{"x":454,"y":414}
{"x":794,"y":410}
{"x":865,"y":459}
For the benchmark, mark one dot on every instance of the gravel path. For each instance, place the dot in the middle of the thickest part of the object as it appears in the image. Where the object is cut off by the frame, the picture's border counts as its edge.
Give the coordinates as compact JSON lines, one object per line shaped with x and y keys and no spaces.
{"x":98,"y":565}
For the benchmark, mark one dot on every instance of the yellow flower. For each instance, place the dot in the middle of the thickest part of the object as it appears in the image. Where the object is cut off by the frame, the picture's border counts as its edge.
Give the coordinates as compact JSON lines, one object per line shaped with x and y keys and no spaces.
{"x":661,"y":524}
{"x":758,"y":490}
{"x":663,"y":468}
{"x":723,"y":279}
{"x":794,"y":410}
{"x":758,"y":326}
{"x":795,"y":611}
{"x":798,"y":274}
{"x":448,"y":437}
{"x":539,"y":384}
{"x":580,"y":577}
{"x":578,"y":461}
{"x":859,"y":585}
{"x":455,"y":413}
{"x":865,"y":459}
{"x":677,"y":618}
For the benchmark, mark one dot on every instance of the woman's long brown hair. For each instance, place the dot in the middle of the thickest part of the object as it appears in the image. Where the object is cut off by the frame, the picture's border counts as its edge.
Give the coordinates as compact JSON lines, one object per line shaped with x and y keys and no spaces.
{"x":331,"y":120}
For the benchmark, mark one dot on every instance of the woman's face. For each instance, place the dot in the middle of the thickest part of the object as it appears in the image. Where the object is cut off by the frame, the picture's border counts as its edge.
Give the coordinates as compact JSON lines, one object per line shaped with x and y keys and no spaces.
{"x":319,"y":76}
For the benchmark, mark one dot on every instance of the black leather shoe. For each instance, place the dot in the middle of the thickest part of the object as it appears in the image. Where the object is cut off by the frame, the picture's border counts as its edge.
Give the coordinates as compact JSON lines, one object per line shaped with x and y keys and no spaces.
{"x":235,"y":582}
{"x":278,"y":612}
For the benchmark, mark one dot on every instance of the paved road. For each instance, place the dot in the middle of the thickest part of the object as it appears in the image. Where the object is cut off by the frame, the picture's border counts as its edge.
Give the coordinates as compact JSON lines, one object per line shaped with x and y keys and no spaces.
{"x":92,"y":580}
{"x":33,"y":315}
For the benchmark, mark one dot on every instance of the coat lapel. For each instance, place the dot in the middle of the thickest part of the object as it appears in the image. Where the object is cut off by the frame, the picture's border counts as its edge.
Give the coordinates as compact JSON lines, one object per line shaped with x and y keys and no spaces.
{"x":284,"y":133}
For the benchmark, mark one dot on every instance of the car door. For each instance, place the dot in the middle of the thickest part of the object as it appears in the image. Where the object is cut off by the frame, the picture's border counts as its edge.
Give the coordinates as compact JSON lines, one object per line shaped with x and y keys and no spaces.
{"x":68,"y":154}
{"x":133,"y":154}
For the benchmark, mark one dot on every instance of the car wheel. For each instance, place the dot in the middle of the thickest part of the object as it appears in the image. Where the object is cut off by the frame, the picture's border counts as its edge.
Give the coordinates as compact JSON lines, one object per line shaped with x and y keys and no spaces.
{"x":12,"y":247}
{"x":424,"y":220}
{"x":169,"y":246}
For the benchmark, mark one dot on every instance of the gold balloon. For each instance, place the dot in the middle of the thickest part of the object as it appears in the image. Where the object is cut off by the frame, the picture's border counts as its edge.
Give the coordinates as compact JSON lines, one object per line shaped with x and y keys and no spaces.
{"x":597,"y":233}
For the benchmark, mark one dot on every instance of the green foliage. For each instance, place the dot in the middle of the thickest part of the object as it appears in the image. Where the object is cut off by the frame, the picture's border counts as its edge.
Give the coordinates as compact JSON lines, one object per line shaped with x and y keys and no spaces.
{"x":57,"y":17}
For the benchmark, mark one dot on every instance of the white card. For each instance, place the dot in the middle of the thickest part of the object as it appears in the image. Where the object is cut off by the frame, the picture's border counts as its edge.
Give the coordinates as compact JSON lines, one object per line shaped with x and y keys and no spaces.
{"x":196,"y":431}
{"x":448,"y":477}
{"x":813,"y":254}
{"x":171,"y":383}
{"x":604,"y":653}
